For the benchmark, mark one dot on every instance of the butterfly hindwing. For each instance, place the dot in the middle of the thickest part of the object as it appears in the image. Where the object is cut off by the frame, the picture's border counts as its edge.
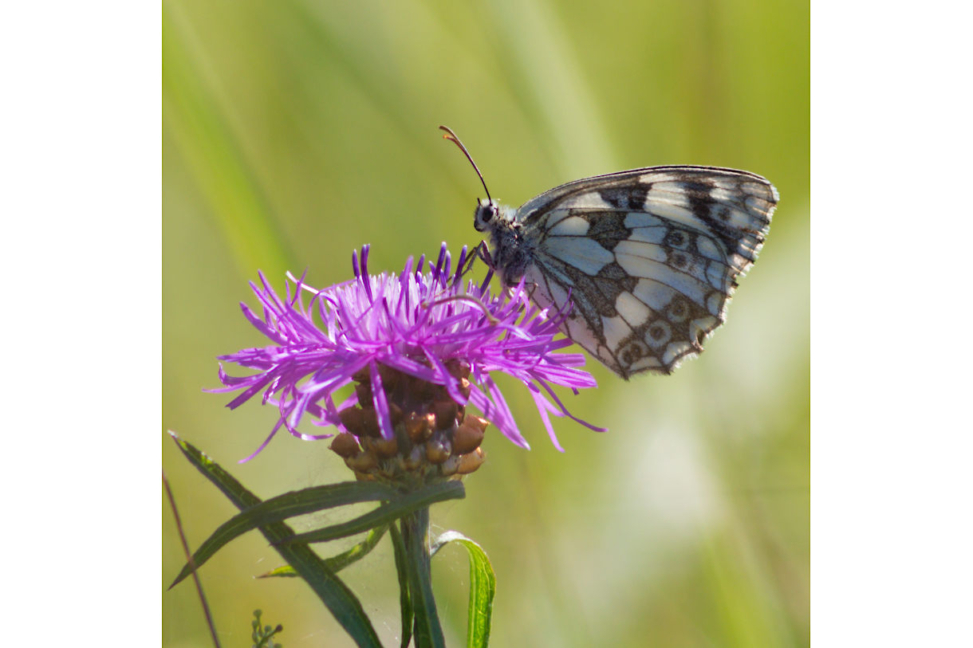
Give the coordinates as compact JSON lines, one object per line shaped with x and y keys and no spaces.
{"x":648,"y":257}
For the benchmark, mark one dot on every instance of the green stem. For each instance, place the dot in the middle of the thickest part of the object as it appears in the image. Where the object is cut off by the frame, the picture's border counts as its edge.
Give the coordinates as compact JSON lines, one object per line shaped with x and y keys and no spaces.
{"x":415,"y":534}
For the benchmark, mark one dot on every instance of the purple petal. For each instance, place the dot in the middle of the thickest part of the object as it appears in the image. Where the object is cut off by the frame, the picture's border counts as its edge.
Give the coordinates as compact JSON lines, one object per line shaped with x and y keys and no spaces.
{"x":490,"y":412}
{"x":565,"y":411}
{"x":260,"y":326}
{"x":380,"y":403}
{"x":264,"y":444}
{"x":542,"y":408}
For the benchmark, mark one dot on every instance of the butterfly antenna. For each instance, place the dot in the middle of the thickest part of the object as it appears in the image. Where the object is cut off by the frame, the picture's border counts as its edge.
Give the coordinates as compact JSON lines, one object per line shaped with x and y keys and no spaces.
{"x":451,"y":136}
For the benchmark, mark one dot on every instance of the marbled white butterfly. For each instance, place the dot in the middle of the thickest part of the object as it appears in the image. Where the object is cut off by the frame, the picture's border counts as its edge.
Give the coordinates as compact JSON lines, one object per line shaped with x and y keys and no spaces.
{"x":649,"y":257}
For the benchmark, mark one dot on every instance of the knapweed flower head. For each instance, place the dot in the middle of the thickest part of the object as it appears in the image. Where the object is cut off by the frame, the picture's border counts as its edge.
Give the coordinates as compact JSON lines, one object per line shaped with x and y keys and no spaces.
{"x":418,"y":348}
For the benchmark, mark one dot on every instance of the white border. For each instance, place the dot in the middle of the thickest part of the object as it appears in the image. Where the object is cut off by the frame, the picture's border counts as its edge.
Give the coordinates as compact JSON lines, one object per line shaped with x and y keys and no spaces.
{"x":891,"y":440}
{"x":80,"y":124}
{"x":81,"y":259}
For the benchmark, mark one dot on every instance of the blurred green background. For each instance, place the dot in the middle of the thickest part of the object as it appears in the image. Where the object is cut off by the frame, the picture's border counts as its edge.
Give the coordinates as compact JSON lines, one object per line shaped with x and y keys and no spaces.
{"x":295,"y":131}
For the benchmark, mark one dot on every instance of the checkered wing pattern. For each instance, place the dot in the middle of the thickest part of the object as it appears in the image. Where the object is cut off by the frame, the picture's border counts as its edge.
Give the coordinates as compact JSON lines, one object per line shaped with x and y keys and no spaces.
{"x":649,"y":258}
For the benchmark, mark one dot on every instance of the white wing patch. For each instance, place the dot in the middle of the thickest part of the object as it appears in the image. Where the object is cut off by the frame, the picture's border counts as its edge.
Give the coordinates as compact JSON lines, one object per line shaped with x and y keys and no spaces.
{"x":637,"y":251}
{"x":647,"y":235}
{"x":632,"y":309}
{"x":585,"y":254}
{"x":571,"y":226}
{"x":589,"y":200}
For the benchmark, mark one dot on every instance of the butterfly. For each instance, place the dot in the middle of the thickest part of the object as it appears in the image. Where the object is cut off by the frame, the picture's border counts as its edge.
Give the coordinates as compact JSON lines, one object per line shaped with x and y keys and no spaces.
{"x":647,"y":258}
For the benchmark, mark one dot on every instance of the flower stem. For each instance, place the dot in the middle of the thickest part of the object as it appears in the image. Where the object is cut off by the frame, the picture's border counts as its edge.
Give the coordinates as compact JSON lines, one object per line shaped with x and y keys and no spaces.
{"x":415,"y":534}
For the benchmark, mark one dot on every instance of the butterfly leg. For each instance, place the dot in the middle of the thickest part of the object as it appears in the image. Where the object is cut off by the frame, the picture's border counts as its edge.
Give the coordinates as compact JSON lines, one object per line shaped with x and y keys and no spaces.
{"x":470,"y":260}
{"x":482,"y":252}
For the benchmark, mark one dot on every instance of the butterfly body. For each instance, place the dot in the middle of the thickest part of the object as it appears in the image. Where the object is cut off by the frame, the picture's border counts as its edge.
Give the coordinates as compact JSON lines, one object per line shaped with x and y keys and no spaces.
{"x":648,"y":258}
{"x":511,"y":251}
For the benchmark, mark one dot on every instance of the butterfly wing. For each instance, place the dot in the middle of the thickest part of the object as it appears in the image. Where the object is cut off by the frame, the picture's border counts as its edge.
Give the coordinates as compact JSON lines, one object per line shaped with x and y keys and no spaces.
{"x":649,"y":258}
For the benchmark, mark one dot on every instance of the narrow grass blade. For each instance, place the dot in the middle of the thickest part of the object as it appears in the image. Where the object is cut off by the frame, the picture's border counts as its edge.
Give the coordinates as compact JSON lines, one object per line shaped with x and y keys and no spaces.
{"x":483,"y":588}
{"x":342,"y":560}
{"x":286,"y":506}
{"x":340,"y":600}
{"x":185,"y":549}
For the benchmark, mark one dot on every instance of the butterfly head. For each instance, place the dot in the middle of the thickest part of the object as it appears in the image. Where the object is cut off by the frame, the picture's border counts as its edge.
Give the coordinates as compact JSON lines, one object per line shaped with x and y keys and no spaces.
{"x":487,"y":213}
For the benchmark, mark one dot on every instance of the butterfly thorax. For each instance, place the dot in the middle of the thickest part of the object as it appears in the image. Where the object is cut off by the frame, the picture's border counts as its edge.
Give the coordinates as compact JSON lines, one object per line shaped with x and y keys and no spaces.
{"x":510,"y":250}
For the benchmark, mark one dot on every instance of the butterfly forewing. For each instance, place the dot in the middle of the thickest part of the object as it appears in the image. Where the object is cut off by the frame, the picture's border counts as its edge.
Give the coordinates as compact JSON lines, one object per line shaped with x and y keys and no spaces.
{"x":649,"y":258}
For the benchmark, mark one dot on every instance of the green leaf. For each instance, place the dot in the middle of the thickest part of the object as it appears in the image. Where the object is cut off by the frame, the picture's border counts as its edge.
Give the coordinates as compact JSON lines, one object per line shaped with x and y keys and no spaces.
{"x":285,"y":506}
{"x":483,"y":587}
{"x":284,"y":571}
{"x":385,"y":514}
{"x":340,"y":600}
{"x":356,"y":553}
{"x":405,"y":600}
{"x":342,"y":560}
{"x":415,"y":533}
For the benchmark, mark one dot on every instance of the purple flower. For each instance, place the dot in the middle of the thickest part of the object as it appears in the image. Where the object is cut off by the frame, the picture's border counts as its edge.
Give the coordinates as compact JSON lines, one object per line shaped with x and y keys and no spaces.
{"x":431,"y":331}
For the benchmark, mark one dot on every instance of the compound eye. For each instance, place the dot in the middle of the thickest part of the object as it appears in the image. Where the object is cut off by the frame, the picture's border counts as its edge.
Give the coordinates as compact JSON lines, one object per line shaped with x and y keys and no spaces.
{"x":486,"y":212}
